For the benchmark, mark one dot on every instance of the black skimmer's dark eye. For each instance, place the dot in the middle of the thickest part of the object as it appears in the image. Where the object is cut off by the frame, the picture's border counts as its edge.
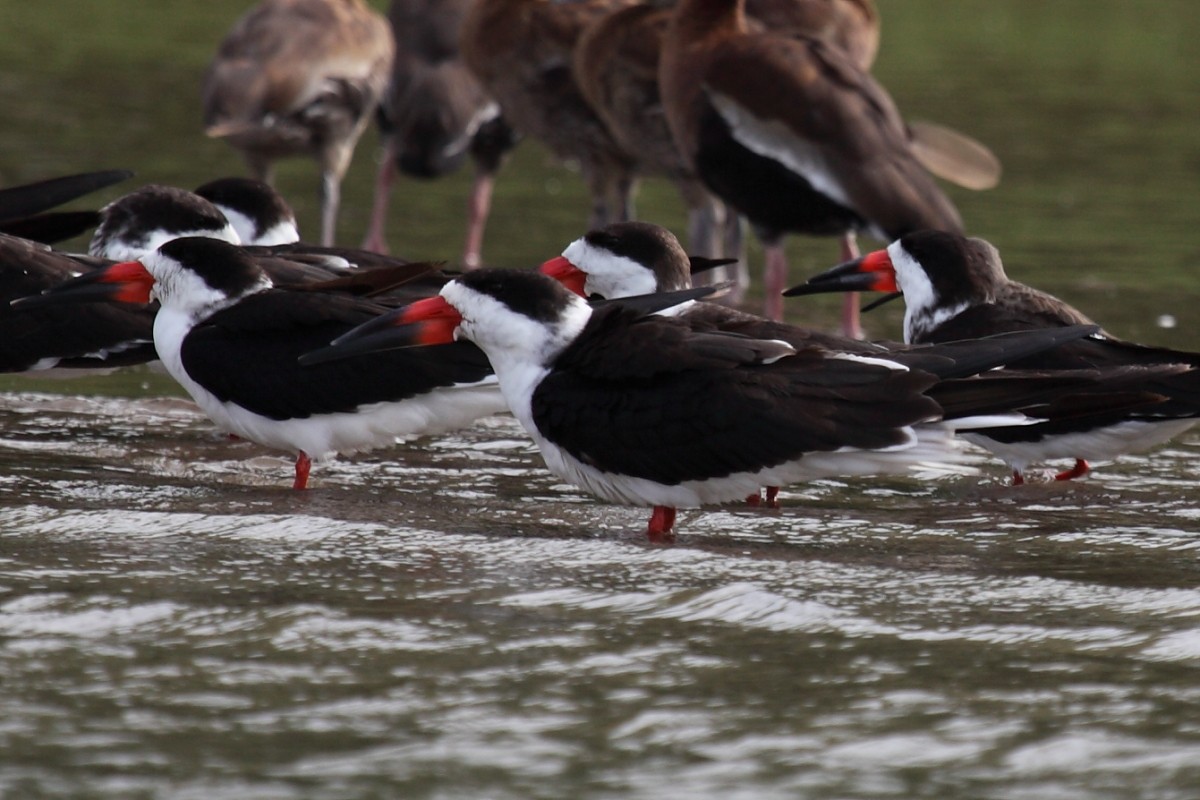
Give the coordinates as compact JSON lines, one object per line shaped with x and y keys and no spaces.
{"x":872,"y":272}
{"x":566,"y":273}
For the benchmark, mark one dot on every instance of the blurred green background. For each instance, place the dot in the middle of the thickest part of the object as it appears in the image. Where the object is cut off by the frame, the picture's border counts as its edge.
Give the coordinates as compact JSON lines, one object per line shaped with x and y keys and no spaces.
{"x":1091,"y":105}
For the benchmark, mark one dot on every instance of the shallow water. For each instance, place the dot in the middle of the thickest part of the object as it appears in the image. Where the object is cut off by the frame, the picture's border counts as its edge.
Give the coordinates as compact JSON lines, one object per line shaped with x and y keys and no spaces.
{"x":446,"y":620}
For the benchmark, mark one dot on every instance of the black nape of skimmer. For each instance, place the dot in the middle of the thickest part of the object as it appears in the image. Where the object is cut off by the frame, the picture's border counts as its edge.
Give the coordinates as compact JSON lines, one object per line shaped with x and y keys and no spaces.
{"x":956,"y":287}
{"x":257,"y":212}
{"x":640,"y":409}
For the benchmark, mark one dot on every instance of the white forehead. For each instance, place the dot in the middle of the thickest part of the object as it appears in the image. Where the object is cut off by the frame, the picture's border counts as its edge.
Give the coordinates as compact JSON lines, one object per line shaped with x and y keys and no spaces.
{"x":608,"y":274}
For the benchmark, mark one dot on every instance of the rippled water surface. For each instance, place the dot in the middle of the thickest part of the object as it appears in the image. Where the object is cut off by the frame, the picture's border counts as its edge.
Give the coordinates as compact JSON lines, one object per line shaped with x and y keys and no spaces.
{"x":446,"y":620}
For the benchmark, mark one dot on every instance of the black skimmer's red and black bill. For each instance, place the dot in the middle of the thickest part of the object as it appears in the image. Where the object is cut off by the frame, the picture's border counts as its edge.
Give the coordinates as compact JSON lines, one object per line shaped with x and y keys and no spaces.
{"x":300,"y":77}
{"x":25,"y":209}
{"x":795,"y":135}
{"x":232,"y":341}
{"x":57,"y":340}
{"x":641,"y":409}
{"x":955,"y":287}
{"x":434,"y":115}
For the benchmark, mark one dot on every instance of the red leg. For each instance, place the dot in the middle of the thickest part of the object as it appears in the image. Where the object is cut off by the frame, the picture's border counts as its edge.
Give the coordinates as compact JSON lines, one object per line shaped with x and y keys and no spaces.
{"x":772,"y":500}
{"x":772,"y":497}
{"x":1080,"y":469}
{"x":851,"y":326}
{"x":303,"y":465}
{"x":661,"y":523}
{"x":1018,"y":478}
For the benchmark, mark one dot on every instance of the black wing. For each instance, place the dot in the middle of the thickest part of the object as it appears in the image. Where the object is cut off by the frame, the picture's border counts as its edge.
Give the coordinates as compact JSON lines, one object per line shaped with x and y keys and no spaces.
{"x":248,"y":355}
{"x":654,"y":400}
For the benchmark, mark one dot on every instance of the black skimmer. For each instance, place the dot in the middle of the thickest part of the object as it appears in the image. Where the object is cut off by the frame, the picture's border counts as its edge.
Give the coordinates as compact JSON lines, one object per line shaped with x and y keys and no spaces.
{"x":955,"y":287}
{"x":137,"y":223}
{"x":626,"y":259}
{"x":640,"y":409}
{"x":95,"y":337}
{"x":232,"y":340}
{"x":520,"y":50}
{"x":300,"y":77}
{"x":83,"y":339}
{"x":794,"y":134}
{"x":434,"y":114}
{"x":632,"y":258}
{"x":100,"y":336}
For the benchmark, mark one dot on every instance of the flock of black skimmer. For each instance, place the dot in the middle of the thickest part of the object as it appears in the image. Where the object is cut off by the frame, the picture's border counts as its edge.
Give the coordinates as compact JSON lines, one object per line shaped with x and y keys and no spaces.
{"x":636,"y":385}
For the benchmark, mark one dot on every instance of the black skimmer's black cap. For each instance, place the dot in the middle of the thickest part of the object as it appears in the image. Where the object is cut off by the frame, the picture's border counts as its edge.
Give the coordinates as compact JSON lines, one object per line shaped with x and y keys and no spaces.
{"x":256,"y":200}
{"x":155,"y":209}
{"x":225,"y":267}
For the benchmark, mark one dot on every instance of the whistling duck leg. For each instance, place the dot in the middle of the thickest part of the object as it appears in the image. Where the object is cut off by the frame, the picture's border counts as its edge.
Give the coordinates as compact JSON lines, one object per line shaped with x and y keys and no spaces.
{"x":598,"y":191}
{"x":1018,"y":478}
{"x":1080,"y":469}
{"x":330,"y":197}
{"x":479,"y":206}
{"x":375,"y":240}
{"x":261,"y":168}
{"x":774,"y":279}
{"x":704,"y":217}
{"x":851,"y":326}
{"x":625,"y":186}
{"x":733,"y":245}
{"x":661,"y":523}
{"x":303,"y":465}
